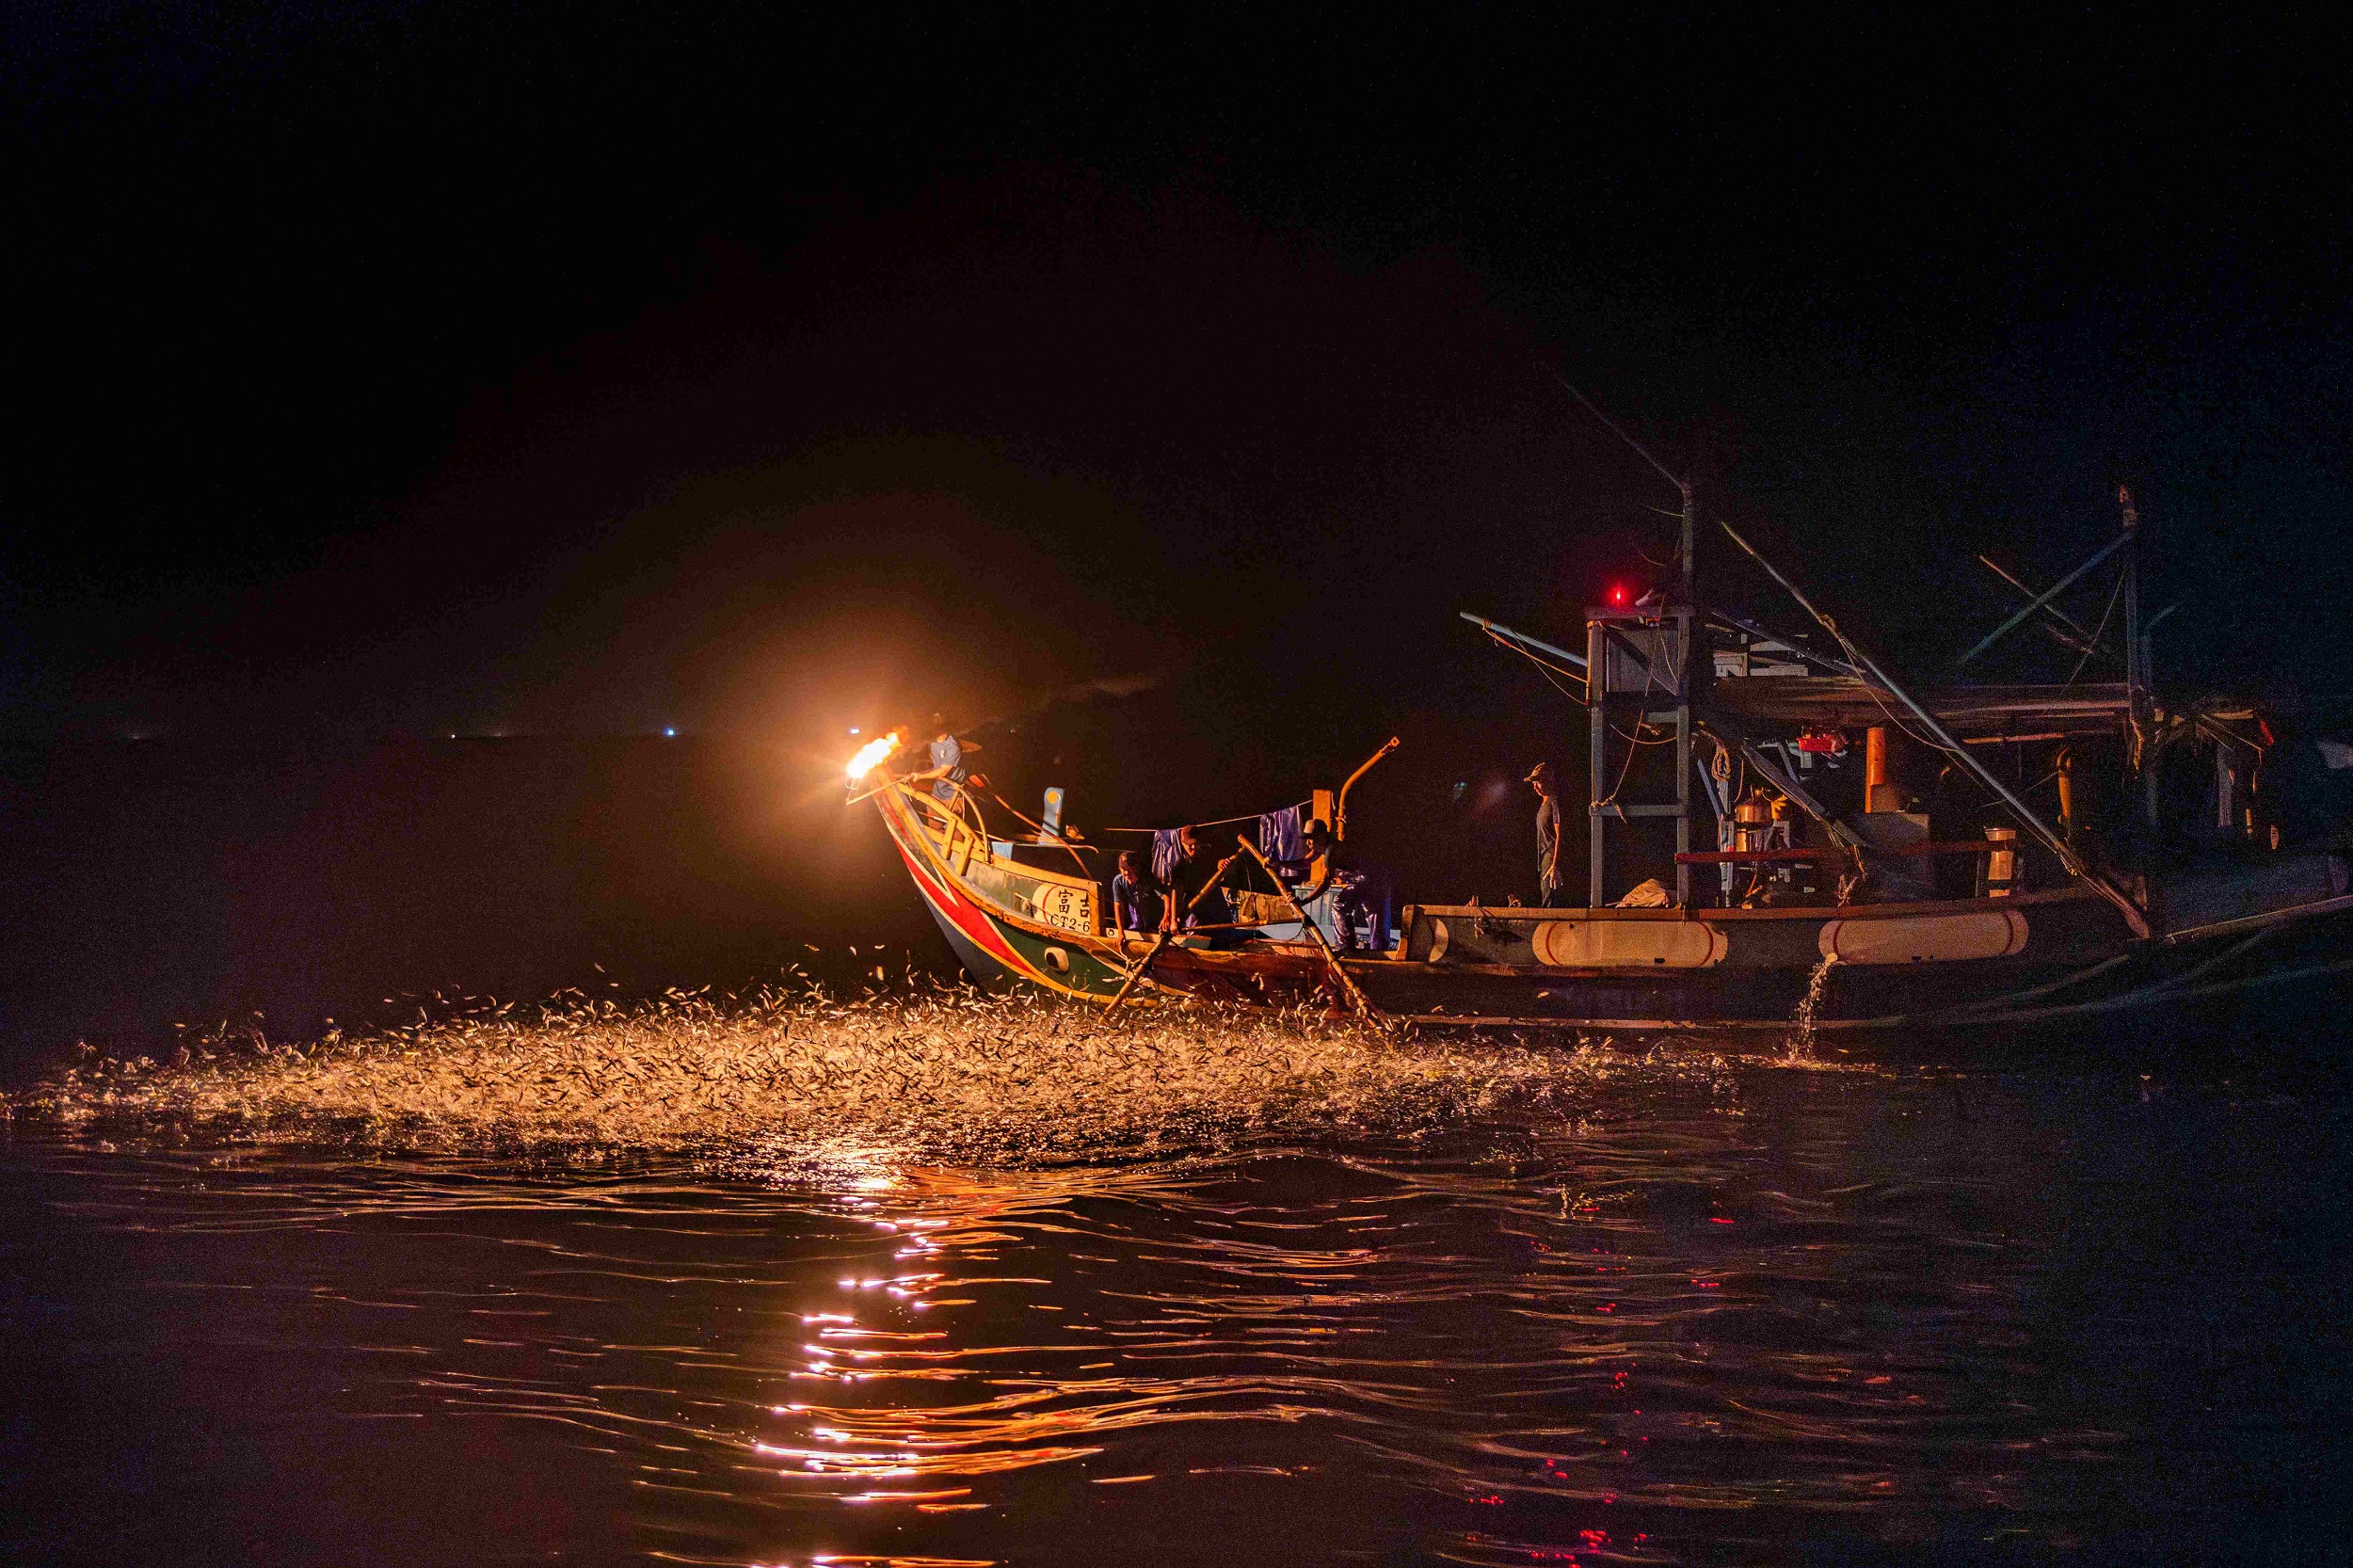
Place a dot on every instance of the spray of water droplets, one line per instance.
(942, 1073)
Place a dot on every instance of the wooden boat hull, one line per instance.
(994, 923)
(2060, 953)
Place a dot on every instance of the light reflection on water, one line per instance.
(1250, 1292)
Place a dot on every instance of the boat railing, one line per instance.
(1759, 856)
(939, 813)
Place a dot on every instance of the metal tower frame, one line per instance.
(1632, 656)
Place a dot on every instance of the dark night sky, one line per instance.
(393, 369)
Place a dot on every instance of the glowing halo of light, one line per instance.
(871, 755)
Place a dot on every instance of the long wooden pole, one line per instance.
(1137, 973)
(2143, 759)
(1169, 931)
(1497, 629)
(1331, 959)
(2082, 640)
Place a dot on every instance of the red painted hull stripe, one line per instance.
(968, 918)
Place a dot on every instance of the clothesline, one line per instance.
(1213, 821)
(1046, 835)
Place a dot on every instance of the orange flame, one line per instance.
(871, 755)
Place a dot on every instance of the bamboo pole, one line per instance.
(1331, 960)
(1137, 973)
(2081, 640)
(1168, 930)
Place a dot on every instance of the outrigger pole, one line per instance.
(2033, 823)
(2066, 627)
(2136, 659)
(1498, 630)
(2042, 600)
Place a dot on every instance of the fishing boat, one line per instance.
(1804, 886)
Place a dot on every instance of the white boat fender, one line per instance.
(1616, 944)
(1924, 938)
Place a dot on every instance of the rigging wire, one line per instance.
(1543, 668)
(2113, 594)
(1611, 797)
(1854, 654)
(1871, 689)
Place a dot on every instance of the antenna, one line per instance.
(1683, 486)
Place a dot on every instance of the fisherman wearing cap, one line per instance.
(1343, 897)
(1547, 834)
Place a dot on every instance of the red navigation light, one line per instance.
(1617, 593)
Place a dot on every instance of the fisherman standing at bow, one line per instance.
(948, 754)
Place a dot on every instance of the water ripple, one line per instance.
(1291, 1295)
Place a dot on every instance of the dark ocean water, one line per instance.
(968, 1283)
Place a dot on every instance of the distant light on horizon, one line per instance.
(853, 729)
(669, 730)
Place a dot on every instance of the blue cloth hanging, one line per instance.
(1165, 854)
(1283, 835)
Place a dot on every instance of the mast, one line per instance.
(1694, 628)
(1628, 671)
(1690, 531)
(2138, 708)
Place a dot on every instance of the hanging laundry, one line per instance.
(1165, 854)
(1281, 833)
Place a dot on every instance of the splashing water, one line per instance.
(934, 1278)
(937, 1074)
(1801, 1022)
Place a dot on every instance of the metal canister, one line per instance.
(2001, 877)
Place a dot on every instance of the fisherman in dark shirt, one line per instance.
(1314, 842)
(1343, 894)
(1194, 871)
(1547, 833)
(1136, 898)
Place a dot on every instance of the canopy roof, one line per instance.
(1843, 702)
